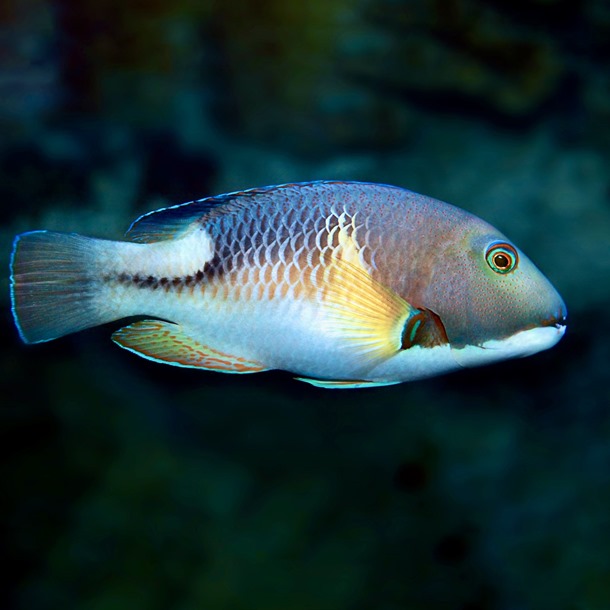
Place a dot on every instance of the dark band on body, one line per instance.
(211, 270)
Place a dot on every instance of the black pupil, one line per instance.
(501, 261)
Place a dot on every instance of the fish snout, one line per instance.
(559, 317)
(545, 327)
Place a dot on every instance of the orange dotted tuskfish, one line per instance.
(345, 284)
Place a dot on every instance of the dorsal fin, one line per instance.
(171, 222)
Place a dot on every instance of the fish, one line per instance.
(343, 284)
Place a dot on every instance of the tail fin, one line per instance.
(55, 285)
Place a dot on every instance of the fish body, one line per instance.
(346, 284)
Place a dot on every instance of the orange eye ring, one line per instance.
(502, 257)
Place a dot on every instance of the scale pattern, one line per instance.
(283, 249)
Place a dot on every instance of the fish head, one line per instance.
(493, 302)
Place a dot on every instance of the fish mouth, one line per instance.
(523, 343)
(535, 337)
(558, 321)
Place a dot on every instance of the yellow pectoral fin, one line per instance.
(368, 317)
(166, 342)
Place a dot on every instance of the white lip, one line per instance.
(524, 343)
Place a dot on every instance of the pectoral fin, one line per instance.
(361, 312)
(169, 343)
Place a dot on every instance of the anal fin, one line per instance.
(169, 343)
(344, 385)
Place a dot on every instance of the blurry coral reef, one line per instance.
(127, 484)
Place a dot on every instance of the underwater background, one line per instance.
(130, 485)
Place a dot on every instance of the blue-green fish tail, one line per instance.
(55, 279)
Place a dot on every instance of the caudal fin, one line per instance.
(55, 284)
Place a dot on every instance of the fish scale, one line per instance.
(260, 262)
(345, 284)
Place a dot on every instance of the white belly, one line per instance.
(288, 335)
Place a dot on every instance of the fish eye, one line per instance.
(501, 257)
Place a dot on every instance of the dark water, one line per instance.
(127, 484)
